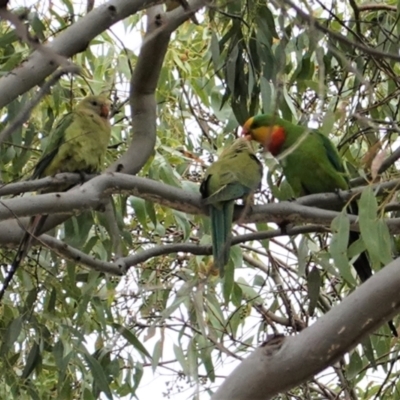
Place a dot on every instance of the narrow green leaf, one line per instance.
(180, 357)
(131, 338)
(237, 295)
(229, 279)
(137, 377)
(369, 226)
(231, 68)
(355, 365)
(192, 359)
(11, 335)
(140, 210)
(302, 252)
(51, 304)
(215, 54)
(58, 353)
(157, 353)
(369, 351)
(385, 243)
(99, 377)
(340, 238)
(34, 358)
(314, 286)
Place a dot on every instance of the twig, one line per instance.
(389, 161)
(376, 7)
(121, 265)
(58, 180)
(356, 11)
(24, 114)
(70, 253)
(312, 21)
(23, 33)
(89, 5)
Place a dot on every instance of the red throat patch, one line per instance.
(278, 136)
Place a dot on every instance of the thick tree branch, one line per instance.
(49, 182)
(120, 266)
(285, 362)
(144, 83)
(71, 41)
(94, 194)
(23, 33)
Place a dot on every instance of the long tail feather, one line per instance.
(34, 227)
(362, 264)
(221, 225)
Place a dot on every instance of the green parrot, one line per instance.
(79, 141)
(310, 163)
(236, 174)
(77, 144)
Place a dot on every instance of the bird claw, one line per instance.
(283, 227)
(337, 191)
(84, 176)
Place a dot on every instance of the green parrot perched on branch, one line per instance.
(77, 144)
(310, 163)
(236, 174)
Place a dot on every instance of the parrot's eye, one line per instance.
(94, 102)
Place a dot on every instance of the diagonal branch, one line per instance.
(94, 194)
(144, 83)
(71, 41)
(121, 265)
(290, 361)
(23, 32)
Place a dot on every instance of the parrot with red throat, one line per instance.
(236, 174)
(77, 144)
(310, 163)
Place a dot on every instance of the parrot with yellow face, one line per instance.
(310, 163)
(77, 144)
(236, 174)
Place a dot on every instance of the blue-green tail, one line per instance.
(221, 226)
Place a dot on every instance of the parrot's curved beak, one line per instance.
(246, 134)
(104, 111)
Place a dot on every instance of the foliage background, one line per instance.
(72, 332)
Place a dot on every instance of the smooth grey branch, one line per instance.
(55, 181)
(277, 366)
(94, 194)
(23, 32)
(72, 254)
(123, 263)
(144, 83)
(71, 41)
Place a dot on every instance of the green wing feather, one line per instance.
(332, 154)
(56, 139)
(236, 174)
